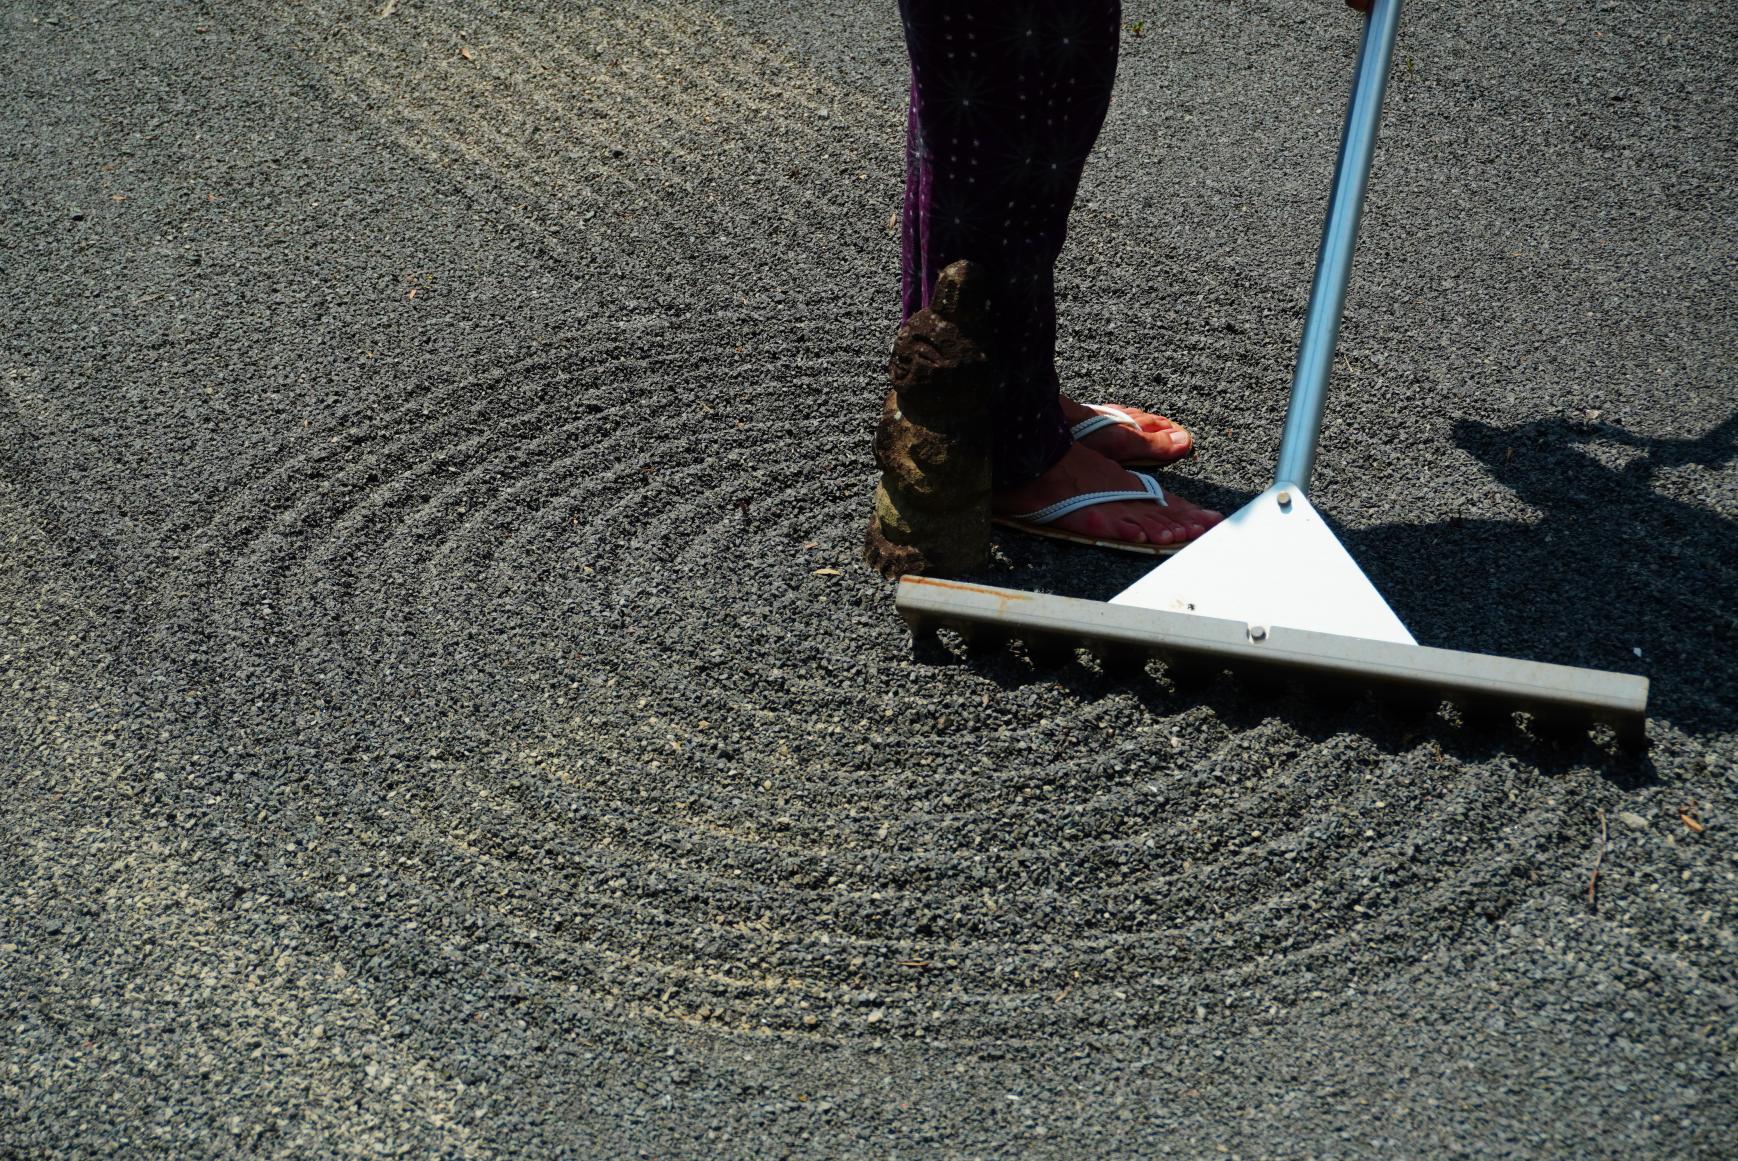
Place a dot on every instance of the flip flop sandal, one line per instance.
(1109, 416)
(1037, 523)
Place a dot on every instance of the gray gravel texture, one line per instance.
(427, 728)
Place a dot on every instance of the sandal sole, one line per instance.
(1049, 533)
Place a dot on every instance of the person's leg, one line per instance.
(1006, 102)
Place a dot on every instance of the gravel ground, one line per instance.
(428, 730)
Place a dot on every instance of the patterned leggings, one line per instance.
(1007, 98)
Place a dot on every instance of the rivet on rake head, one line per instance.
(1284, 499)
(1258, 632)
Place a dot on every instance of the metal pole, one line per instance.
(1315, 357)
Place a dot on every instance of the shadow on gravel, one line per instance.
(1613, 575)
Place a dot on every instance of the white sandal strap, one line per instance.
(1107, 416)
(1056, 511)
(1097, 423)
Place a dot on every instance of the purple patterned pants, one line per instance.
(1007, 98)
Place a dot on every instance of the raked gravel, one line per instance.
(432, 724)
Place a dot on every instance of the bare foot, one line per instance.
(1083, 470)
(1157, 440)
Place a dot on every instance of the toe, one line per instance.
(1169, 527)
(1160, 531)
(1166, 443)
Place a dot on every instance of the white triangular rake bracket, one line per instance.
(1274, 562)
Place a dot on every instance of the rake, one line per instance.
(1271, 588)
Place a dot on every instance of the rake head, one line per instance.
(1559, 697)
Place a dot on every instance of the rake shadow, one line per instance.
(1610, 567)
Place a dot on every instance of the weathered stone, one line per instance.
(932, 510)
(906, 541)
(961, 296)
(942, 378)
(923, 465)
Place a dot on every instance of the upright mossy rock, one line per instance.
(932, 508)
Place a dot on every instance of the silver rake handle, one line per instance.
(1315, 357)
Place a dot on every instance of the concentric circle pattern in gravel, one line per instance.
(446, 712)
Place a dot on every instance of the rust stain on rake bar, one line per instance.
(999, 594)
